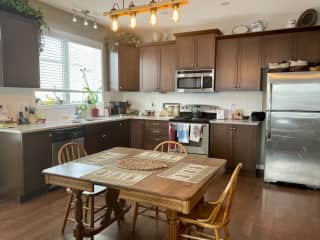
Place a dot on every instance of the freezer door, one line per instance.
(293, 91)
(293, 148)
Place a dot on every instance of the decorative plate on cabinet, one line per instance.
(240, 29)
(308, 18)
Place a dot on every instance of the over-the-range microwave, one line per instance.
(200, 80)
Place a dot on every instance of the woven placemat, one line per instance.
(187, 172)
(101, 158)
(140, 164)
(161, 156)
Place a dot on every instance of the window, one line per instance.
(61, 80)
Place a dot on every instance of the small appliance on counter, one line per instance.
(258, 116)
(119, 107)
(173, 109)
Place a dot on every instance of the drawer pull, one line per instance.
(104, 135)
(156, 131)
(155, 124)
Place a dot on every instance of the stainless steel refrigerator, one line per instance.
(292, 146)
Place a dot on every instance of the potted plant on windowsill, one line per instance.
(92, 97)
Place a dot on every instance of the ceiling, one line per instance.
(197, 12)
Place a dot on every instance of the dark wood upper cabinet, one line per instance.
(128, 68)
(168, 66)
(205, 50)
(226, 64)
(277, 48)
(149, 68)
(307, 46)
(196, 49)
(249, 63)
(158, 66)
(19, 51)
(186, 52)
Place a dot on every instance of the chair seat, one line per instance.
(97, 190)
(202, 210)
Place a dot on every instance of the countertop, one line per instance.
(65, 124)
(243, 122)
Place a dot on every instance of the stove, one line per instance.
(191, 117)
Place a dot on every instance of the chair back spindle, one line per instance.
(70, 152)
(171, 147)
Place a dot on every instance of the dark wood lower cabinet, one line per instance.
(236, 144)
(155, 132)
(102, 136)
(137, 133)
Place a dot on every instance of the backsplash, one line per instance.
(248, 101)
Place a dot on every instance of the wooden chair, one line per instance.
(140, 209)
(214, 216)
(70, 152)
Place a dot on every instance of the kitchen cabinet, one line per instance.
(128, 68)
(149, 68)
(19, 51)
(238, 64)
(277, 48)
(157, 67)
(307, 46)
(237, 143)
(168, 66)
(155, 132)
(37, 156)
(196, 49)
(227, 64)
(102, 136)
(137, 133)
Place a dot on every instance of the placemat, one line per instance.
(133, 163)
(117, 176)
(160, 156)
(101, 158)
(187, 172)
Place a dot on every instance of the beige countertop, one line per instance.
(243, 122)
(66, 124)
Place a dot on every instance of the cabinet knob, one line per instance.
(104, 135)
(234, 129)
(120, 124)
(230, 129)
(156, 131)
(155, 124)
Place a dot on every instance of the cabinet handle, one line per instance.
(104, 135)
(157, 139)
(230, 129)
(156, 131)
(234, 129)
(120, 124)
(155, 124)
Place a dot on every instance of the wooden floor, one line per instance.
(260, 212)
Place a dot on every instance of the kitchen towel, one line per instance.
(172, 135)
(195, 132)
(183, 132)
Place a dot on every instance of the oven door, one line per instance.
(189, 82)
(199, 148)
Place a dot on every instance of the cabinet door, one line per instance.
(137, 133)
(119, 133)
(221, 142)
(205, 50)
(307, 46)
(128, 68)
(245, 147)
(277, 48)
(186, 52)
(249, 63)
(227, 64)
(93, 138)
(149, 68)
(168, 67)
(20, 49)
(36, 157)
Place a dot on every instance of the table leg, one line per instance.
(172, 225)
(78, 231)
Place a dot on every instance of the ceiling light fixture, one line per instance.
(153, 7)
(175, 13)
(85, 22)
(86, 16)
(95, 25)
(74, 19)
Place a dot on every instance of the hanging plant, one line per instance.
(23, 8)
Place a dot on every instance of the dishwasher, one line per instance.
(62, 136)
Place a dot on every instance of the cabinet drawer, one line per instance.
(150, 142)
(156, 124)
(156, 132)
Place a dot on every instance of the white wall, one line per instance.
(249, 101)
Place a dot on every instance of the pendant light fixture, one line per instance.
(153, 7)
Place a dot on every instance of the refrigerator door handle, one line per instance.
(268, 126)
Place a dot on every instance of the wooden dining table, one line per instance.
(176, 188)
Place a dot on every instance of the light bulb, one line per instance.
(175, 13)
(153, 17)
(85, 22)
(74, 19)
(133, 21)
(95, 25)
(114, 24)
